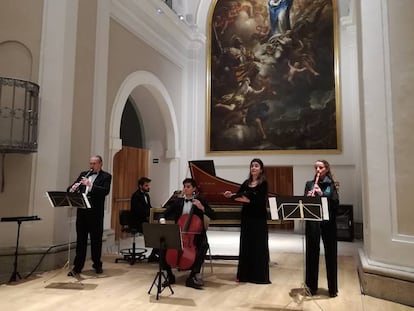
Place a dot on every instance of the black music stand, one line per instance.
(163, 237)
(300, 208)
(70, 200)
(19, 221)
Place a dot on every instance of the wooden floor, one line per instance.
(125, 287)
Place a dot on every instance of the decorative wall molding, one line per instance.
(349, 19)
(158, 26)
(160, 94)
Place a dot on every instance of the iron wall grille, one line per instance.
(19, 106)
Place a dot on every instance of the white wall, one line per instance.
(383, 238)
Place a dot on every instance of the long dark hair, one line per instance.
(261, 176)
(329, 173)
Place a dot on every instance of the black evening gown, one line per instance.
(254, 247)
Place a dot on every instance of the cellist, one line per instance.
(179, 210)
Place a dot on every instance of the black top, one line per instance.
(100, 189)
(175, 210)
(140, 205)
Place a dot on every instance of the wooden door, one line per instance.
(129, 165)
(280, 181)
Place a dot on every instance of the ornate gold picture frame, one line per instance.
(272, 77)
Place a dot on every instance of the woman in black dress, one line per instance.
(254, 248)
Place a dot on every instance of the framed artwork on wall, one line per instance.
(273, 77)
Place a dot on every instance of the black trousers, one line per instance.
(201, 245)
(314, 231)
(88, 222)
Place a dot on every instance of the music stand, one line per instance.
(163, 237)
(69, 200)
(300, 208)
(19, 221)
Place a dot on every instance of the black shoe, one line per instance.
(169, 281)
(192, 282)
(73, 273)
(198, 280)
(313, 292)
(98, 269)
(333, 294)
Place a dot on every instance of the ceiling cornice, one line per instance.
(153, 22)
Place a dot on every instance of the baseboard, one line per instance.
(38, 259)
(385, 282)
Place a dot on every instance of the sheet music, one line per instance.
(85, 198)
(49, 198)
(68, 199)
(298, 207)
(274, 214)
(325, 211)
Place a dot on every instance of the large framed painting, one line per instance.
(272, 77)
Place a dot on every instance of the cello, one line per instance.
(190, 225)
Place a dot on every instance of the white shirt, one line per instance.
(187, 207)
(91, 179)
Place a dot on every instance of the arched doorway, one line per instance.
(129, 163)
(155, 116)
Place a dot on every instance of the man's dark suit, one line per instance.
(174, 212)
(90, 221)
(140, 208)
(140, 211)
